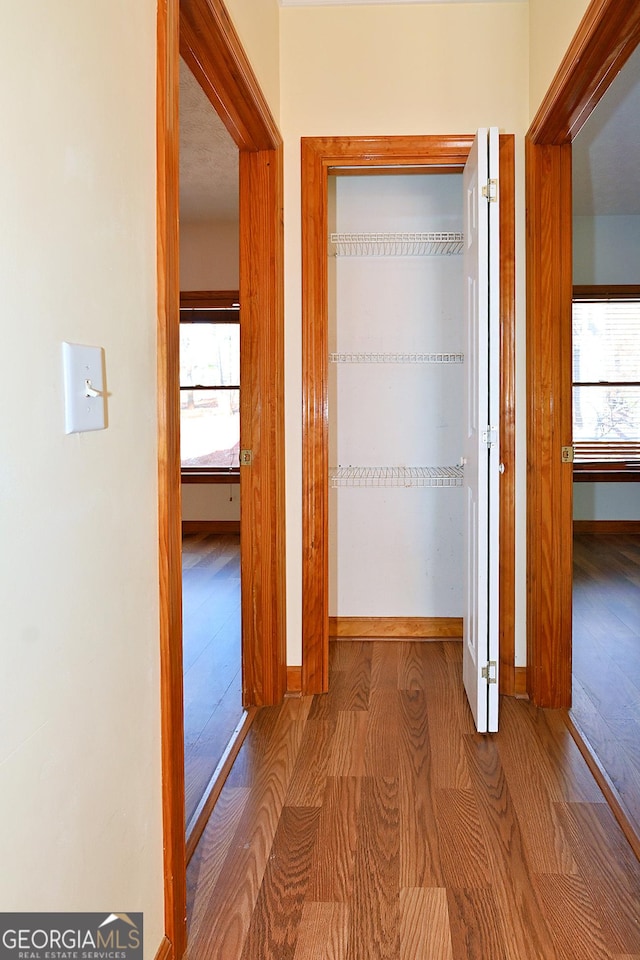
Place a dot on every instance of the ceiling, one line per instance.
(208, 157)
(606, 153)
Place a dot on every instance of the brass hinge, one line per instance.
(246, 458)
(490, 672)
(490, 191)
(567, 454)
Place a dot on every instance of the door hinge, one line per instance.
(490, 436)
(490, 191)
(567, 454)
(246, 458)
(490, 672)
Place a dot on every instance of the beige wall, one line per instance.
(257, 24)
(552, 25)
(209, 255)
(79, 686)
(416, 69)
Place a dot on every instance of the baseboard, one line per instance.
(397, 628)
(627, 527)
(210, 526)
(521, 681)
(294, 680)
(165, 950)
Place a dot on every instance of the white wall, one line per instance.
(80, 775)
(606, 250)
(257, 24)
(447, 71)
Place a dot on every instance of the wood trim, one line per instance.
(549, 480)
(520, 682)
(605, 473)
(605, 39)
(188, 476)
(203, 811)
(212, 50)
(165, 950)
(604, 291)
(398, 628)
(169, 506)
(262, 485)
(604, 782)
(294, 680)
(607, 527)
(209, 298)
(319, 156)
(210, 526)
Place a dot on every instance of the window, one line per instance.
(209, 386)
(606, 380)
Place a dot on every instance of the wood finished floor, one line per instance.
(606, 658)
(373, 823)
(212, 654)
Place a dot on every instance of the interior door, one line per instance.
(481, 455)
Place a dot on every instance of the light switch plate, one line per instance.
(82, 379)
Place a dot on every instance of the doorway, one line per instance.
(320, 157)
(604, 41)
(200, 30)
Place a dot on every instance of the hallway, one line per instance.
(372, 823)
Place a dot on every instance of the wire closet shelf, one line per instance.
(397, 476)
(431, 244)
(368, 357)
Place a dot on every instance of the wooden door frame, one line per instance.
(202, 32)
(320, 155)
(605, 39)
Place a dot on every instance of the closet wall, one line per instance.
(396, 381)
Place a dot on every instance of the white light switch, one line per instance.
(84, 397)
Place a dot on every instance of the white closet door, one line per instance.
(481, 451)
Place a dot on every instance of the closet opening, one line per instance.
(382, 483)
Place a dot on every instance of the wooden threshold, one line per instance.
(165, 950)
(201, 814)
(396, 628)
(601, 777)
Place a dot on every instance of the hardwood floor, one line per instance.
(606, 659)
(212, 654)
(373, 823)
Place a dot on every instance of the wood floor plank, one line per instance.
(349, 744)
(525, 932)
(571, 916)
(465, 862)
(334, 857)
(273, 932)
(323, 932)
(207, 862)
(374, 918)
(476, 932)
(611, 870)
(446, 724)
(309, 778)
(420, 862)
(424, 924)
(233, 899)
